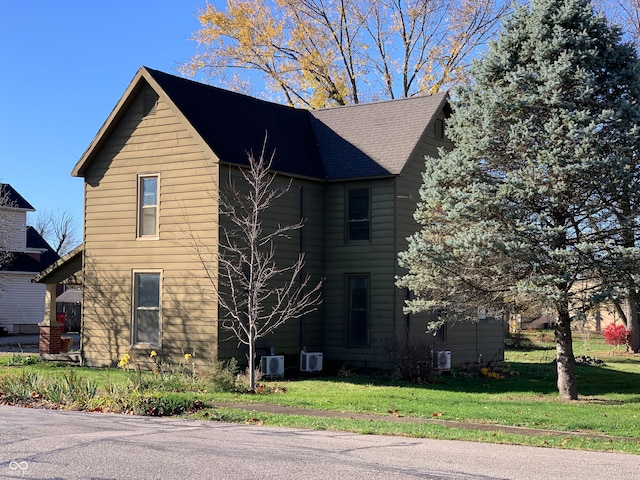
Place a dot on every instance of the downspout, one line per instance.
(301, 251)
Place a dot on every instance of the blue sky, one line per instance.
(66, 64)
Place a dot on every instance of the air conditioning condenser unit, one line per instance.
(442, 360)
(310, 361)
(272, 366)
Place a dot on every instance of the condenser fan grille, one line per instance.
(273, 364)
(313, 362)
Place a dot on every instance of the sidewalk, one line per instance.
(282, 410)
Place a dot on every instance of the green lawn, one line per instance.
(609, 401)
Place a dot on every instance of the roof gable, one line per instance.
(358, 141)
(15, 200)
(373, 138)
(229, 124)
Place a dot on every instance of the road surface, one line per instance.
(51, 444)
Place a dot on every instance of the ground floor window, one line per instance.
(358, 310)
(146, 309)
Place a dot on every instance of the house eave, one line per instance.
(361, 178)
(18, 272)
(17, 209)
(109, 124)
(320, 180)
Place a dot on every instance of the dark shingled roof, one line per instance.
(357, 141)
(233, 124)
(364, 140)
(372, 139)
(15, 200)
(26, 262)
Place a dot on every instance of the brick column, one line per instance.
(51, 338)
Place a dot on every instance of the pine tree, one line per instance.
(523, 210)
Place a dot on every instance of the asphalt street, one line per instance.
(51, 444)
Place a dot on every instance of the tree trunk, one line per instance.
(251, 367)
(627, 222)
(629, 315)
(633, 323)
(566, 362)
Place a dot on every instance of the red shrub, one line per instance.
(616, 334)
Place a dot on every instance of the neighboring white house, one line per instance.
(21, 301)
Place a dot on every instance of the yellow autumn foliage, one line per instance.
(316, 53)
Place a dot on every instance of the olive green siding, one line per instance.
(303, 200)
(156, 144)
(375, 258)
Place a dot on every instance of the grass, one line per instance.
(527, 397)
(421, 430)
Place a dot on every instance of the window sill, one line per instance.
(147, 346)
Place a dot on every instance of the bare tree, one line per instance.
(256, 293)
(315, 54)
(5, 233)
(626, 14)
(58, 229)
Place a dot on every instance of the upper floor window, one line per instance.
(148, 206)
(358, 218)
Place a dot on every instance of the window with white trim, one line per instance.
(147, 312)
(148, 206)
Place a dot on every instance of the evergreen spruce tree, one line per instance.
(526, 209)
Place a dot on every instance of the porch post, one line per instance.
(50, 328)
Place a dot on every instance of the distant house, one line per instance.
(21, 301)
(152, 176)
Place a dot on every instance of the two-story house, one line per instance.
(152, 177)
(21, 301)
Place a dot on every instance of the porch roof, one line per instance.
(64, 269)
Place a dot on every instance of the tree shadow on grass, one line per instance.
(531, 378)
(604, 381)
(629, 360)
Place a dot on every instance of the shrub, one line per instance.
(616, 334)
(19, 359)
(223, 376)
(167, 404)
(413, 360)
